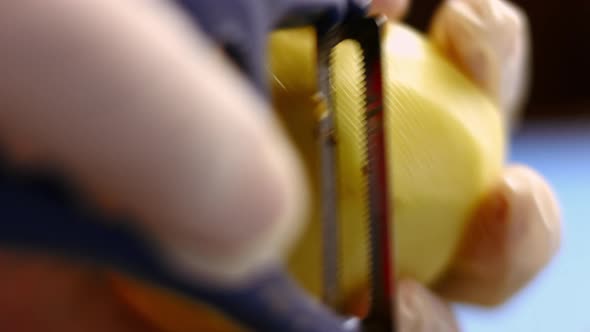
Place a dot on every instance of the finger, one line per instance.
(40, 295)
(489, 40)
(393, 9)
(418, 309)
(421, 311)
(514, 234)
(132, 103)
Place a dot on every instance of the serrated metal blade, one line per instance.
(381, 315)
(348, 94)
(366, 34)
(326, 41)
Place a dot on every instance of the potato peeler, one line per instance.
(42, 212)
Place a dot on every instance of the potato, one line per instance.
(445, 145)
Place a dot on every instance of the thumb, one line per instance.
(132, 103)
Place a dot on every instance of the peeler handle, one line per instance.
(241, 27)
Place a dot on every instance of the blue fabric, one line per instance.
(40, 213)
(241, 26)
(558, 299)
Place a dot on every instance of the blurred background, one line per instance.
(554, 138)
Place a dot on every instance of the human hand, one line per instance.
(516, 229)
(150, 122)
(128, 99)
(489, 40)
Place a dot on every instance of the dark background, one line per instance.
(561, 46)
(554, 140)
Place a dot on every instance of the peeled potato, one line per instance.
(445, 146)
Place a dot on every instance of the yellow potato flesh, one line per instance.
(445, 145)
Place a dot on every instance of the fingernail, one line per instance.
(546, 202)
(421, 311)
(534, 216)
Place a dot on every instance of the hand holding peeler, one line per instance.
(40, 212)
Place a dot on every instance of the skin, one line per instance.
(241, 211)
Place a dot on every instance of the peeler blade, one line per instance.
(339, 121)
(329, 170)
